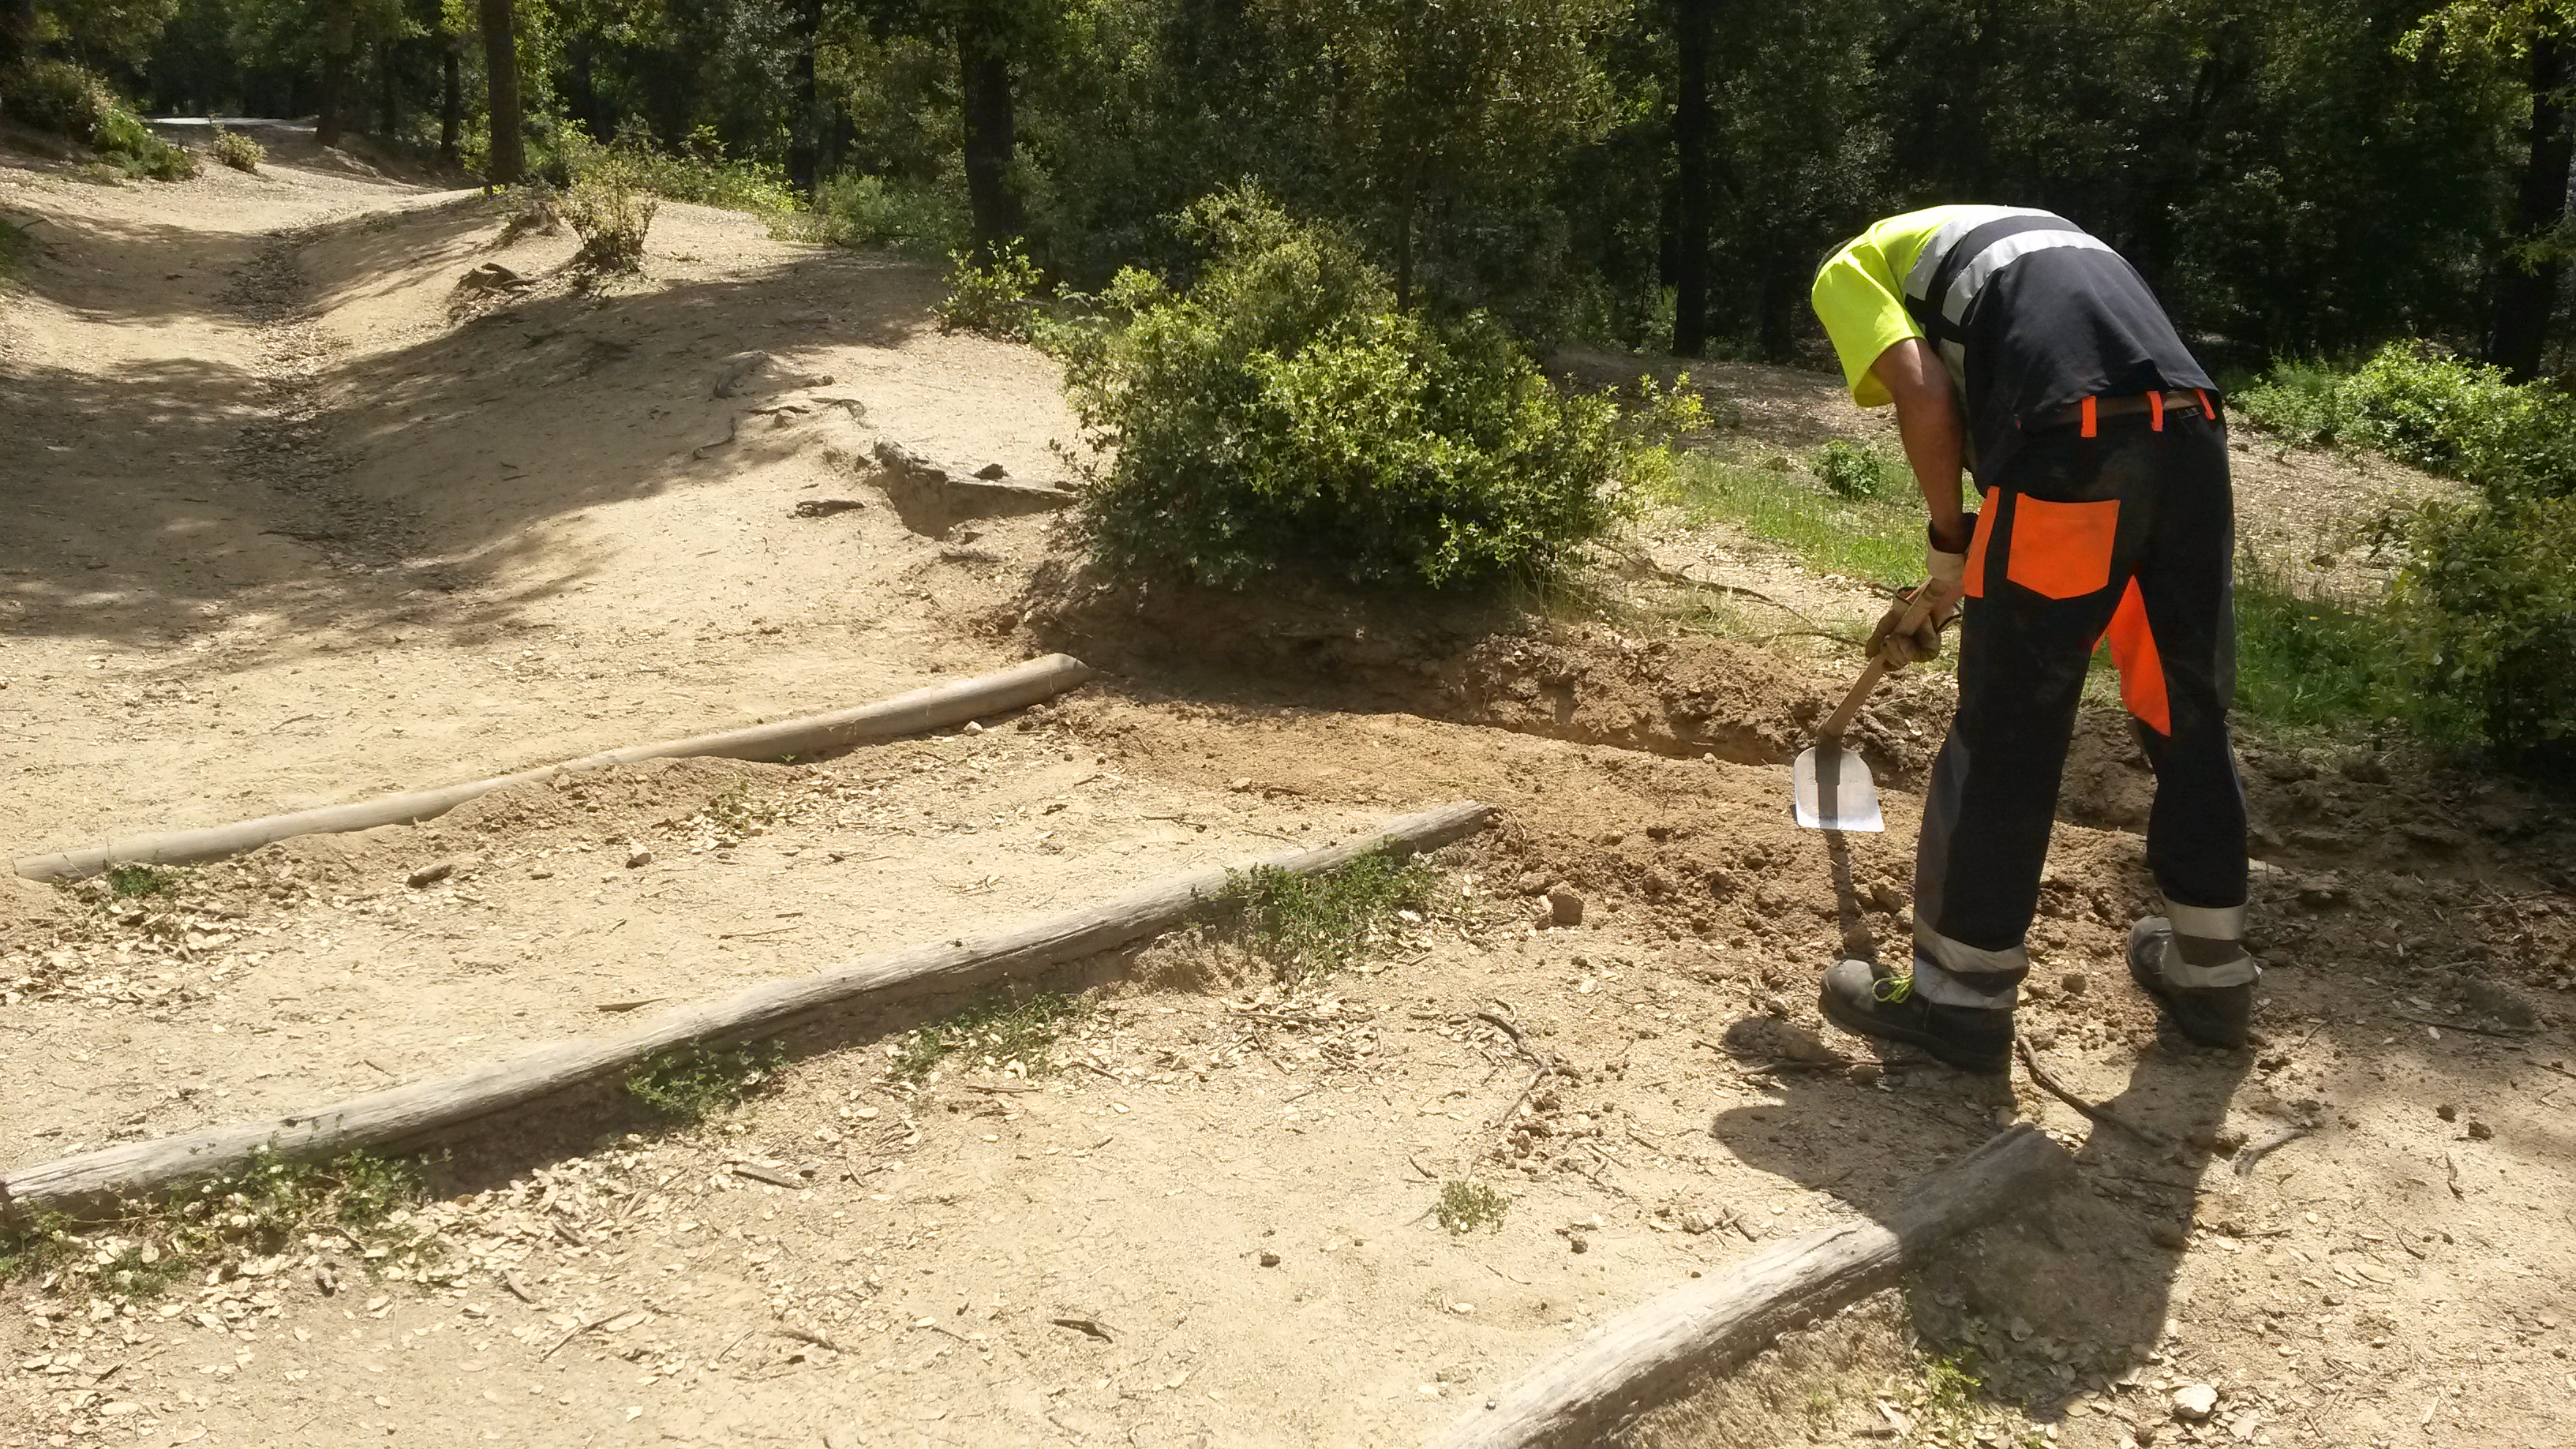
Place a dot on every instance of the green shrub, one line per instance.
(995, 297)
(1281, 414)
(610, 209)
(238, 151)
(2424, 406)
(1857, 470)
(2490, 600)
(850, 210)
(993, 1034)
(56, 95)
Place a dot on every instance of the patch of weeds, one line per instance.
(1467, 1205)
(685, 1088)
(40, 1244)
(1857, 470)
(1873, 539)
(262, 1209)
(130, 882)
(1329, 920)
(992, 1034)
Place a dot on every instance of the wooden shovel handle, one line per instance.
(1869, 677)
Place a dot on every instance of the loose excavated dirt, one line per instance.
(305, 521)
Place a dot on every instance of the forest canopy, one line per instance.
(2296, 178)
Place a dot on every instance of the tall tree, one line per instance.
(2527, 290)
(339, 42)
(508, 163)
(1693, 24)
(991, 129)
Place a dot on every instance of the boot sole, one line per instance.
(1943, 1050)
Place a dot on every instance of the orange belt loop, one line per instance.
(2156, 408)
(2089, 427)
(2208, 409)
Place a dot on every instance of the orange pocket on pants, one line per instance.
(2062, 550)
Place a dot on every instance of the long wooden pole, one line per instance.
(1639, 1358)
(923, 709)
(95, 1181)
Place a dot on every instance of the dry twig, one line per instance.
(2104, 1115)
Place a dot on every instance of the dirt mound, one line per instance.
(1477, 662)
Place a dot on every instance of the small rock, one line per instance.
(1533, 882)
(2073, 983)
(826, 507)
(638, 859)
(2499, 1004)
(1865, 1073)
(2193, 1403)
(1270, 1260)
(2447, 1112)
(1579, 1243)
(2479, 1131)
(1240, 784)
(2168, 1235)
(992, 472)
(974, 727)
(1564, 907)
(429, 875)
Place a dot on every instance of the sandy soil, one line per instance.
(391, 535)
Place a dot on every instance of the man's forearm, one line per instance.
(1927, 418)
(1934, 445)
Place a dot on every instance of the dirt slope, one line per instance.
(354, 530)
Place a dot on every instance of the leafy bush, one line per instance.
(1326, 922)
(2423, 406)
(1281, 414)
(610, 209)
(238, 151)
(850, 210)
(2491, 601)
(995, 297)
(1857, 470)
(56, 95)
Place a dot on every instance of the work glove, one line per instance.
(1946, 577)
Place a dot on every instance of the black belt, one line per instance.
(2194, 403)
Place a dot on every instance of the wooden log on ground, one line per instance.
(95, 1181)
(905, 714)
(1640, 1358)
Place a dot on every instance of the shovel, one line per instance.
(1829, 786)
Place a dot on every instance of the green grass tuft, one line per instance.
(128, 882)
(1325, 921)
(1465, 1206)
(992, 1034)
(685, 1088)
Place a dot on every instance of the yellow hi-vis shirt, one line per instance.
(1859, 293)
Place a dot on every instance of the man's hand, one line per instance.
(1946, 568)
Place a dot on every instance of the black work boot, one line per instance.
(2211, 1016)
(1871, 1001)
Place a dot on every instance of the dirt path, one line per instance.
(354, 531)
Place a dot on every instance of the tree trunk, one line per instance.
(451, 100)
(2527, 290)
(984, 88)
(808, 126)
(508, 162)
(339, 38)
(1693, 22)
(388, 89)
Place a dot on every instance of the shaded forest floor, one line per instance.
(301, 516)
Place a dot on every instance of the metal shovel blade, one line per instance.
(1830, 789)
